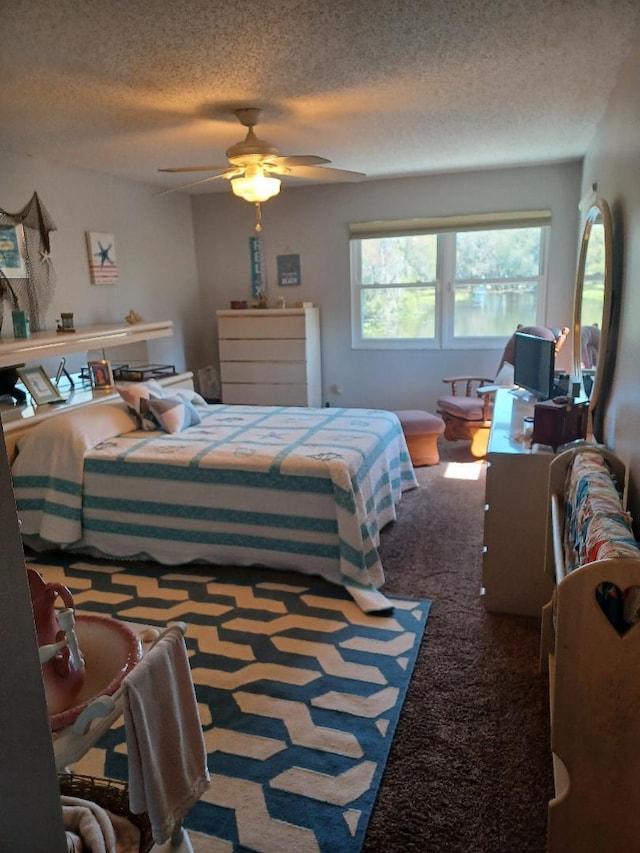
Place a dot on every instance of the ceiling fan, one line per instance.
(254, 164)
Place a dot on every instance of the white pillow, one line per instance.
(154, 387)
(81, 428)
(158, 391)
(188, 394)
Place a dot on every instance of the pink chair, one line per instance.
(467, 413)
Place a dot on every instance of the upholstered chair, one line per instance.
(589, 345)
(467, 410)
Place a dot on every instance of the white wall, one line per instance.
(153, 240)
(613, 160)
(158, 275)
(313, 222)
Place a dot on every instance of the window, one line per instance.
(447, 283)
(398, 281)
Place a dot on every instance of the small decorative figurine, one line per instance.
(65, 323)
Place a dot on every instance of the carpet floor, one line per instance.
(469, 768)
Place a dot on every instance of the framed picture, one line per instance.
(103, 266)
(39, 385)
(288, 270)
(101, 374)
(12, 251)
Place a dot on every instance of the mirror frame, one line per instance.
(597, 401)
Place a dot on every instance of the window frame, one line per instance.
(446, 230)
(357, 288)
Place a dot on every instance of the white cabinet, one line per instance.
(270, 357)
(516, 556)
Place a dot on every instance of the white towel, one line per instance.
(88, 826)
(165, 745)
(92, 828)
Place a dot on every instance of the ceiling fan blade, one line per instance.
(321, 173)
(233, 173)
(254, 157)
(193, 169)
(299, 160)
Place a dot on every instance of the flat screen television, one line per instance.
(534, 365)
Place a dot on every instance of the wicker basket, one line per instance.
(110, 794)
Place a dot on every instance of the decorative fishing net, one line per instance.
(34, 290)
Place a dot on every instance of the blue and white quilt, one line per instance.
(282, 487)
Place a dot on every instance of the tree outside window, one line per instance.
(447, 288)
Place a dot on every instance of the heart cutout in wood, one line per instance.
(621, 607)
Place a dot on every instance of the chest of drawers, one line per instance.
(270, 357)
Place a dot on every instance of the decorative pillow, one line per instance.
(137, 399)
(138, 395)
(154, 388)
(174, 413)
(187, 394)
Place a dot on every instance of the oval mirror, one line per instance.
(592, 309)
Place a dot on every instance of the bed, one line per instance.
(280, 487)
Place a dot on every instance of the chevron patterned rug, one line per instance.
(299, 694)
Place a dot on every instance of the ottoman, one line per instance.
(421, 431)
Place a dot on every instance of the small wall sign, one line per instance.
(288, 270)
(258, 283)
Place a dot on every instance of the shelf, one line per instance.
(47, 344)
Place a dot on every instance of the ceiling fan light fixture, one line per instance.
(255, 186)
(252, 164)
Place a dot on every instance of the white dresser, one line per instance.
(270, 357)
(517, 554)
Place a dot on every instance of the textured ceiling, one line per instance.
(385, 88)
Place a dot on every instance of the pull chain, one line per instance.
(258, 226)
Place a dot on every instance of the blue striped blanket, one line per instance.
(291, 488)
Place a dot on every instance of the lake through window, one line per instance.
(446, 288)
